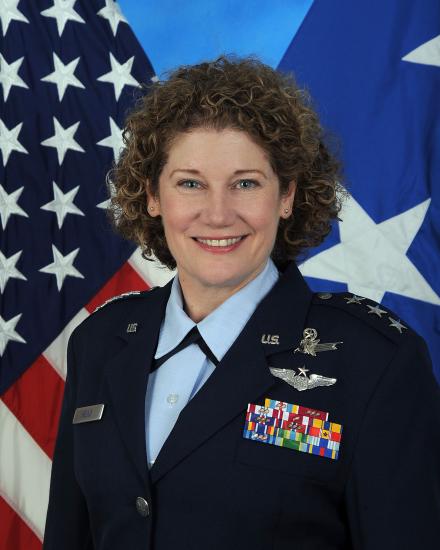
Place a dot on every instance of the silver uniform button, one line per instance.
(173, 398)
(142, 507)
(325, 295)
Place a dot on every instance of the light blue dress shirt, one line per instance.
(171, 386)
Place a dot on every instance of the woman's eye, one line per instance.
(189, 184)
(247, 184)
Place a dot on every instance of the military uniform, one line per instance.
(211, 486)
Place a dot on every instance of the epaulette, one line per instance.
(122, 296)
(374, 314)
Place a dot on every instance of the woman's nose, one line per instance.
(218, 209)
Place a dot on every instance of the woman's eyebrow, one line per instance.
(236, 173)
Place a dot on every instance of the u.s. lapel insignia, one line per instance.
(301, 381)
(273, 339)
(310, 344)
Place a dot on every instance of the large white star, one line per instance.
(62, 11)
(120, 75)
(63, 140)
(112, 12)
(62, 266)
(114, 140)
(9, 75)
(63, 75)
(9, 141)
(62, 204)
(8, 333)
(8, 269)
(9, 206)
(371, 258)
(426, 54)
(9, 12)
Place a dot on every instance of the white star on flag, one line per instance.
(120, 75)
(9, 141)
(9, 12)
(62, 266)
(371, 258)
(112, 12)
(62, 11)
(7, 332)
(105, 204)
(426, 54)
(8, 269)
(63, 75)
(9, 75)
(62, 204)
(9, 206)
(114, 140)
(63, 140)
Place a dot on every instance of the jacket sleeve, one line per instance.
(393, 490)
(67, 524)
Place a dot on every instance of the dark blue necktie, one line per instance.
(193, 337)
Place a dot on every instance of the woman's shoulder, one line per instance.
(363, 317)
(107, 316)
(371, 340)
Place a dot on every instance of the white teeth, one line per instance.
(219, 242)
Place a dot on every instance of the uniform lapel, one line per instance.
(243, 375)
(127, 372)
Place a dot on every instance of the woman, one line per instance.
(286, 419)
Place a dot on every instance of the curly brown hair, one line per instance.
(237, 93)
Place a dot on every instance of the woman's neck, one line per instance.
(200, 300)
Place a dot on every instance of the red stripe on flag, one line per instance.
(125, 279)
(35, 399)
(14, 533)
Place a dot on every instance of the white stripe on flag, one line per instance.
(25, 472)
(152, 272)
(56, 352)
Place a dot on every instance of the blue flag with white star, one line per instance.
(374, 70)
(68, 72)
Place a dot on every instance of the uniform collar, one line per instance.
(222, 326)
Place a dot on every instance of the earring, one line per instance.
(151, 208)
(286, 211)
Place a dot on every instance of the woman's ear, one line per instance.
(286, 205)
(153, 204)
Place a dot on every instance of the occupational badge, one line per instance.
(301, 381)
(310, 344)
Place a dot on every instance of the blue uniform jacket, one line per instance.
(212, 488)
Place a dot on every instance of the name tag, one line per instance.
(88, 414)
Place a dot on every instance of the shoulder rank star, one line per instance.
(354, 299)
(301, 381)
(310, 344)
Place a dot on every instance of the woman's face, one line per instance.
(220, 205)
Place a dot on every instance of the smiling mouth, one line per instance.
(219, 243)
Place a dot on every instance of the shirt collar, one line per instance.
(223, 325)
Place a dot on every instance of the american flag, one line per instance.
(69, 70)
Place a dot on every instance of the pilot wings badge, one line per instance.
(301, 381)
(310, 344)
